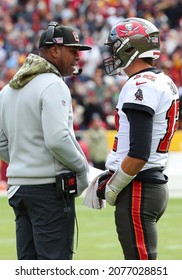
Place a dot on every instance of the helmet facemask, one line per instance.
(123, 55)
(111, 65)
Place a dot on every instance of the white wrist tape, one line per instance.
(119, 180)
(116, 184)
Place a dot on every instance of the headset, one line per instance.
(49, 40)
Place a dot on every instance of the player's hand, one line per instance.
(111, 193)
(116, 184)
(103, 179)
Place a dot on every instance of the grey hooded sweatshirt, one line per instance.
(36, 127)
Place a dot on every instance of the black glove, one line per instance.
(104, 177)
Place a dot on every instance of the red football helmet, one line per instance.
(130, 39)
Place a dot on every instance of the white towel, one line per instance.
(91, 200)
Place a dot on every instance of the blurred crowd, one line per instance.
(94, 94)
(21, 22)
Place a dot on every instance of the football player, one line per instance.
(146, 118)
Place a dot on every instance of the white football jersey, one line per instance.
(154, 92)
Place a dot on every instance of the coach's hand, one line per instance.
(82, 183)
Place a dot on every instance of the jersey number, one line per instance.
(172, 125)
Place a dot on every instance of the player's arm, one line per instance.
(141, 124)
(132, 166)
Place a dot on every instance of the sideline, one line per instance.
(174, 172)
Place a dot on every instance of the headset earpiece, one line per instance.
(49, 40)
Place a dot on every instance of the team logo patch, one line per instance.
(130, 29)
(75, 35)
(139, 95)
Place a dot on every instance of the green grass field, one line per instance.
(96, 233)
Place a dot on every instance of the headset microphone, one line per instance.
(78, 72)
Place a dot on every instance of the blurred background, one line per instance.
(93, 93)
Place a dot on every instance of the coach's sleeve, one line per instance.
(4, 153)
(56, 119)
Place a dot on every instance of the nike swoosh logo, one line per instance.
(140, 83)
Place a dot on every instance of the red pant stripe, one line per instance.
(136, 218)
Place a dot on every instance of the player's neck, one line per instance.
(137, 66)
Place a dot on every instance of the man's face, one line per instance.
(66, 59)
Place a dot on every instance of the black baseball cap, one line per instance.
(61, 35)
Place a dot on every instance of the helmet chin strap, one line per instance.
(121, 72)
